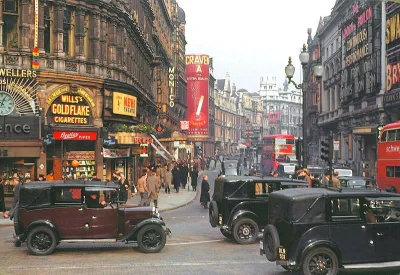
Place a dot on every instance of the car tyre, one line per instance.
(213, 213)
(271, 242)
(320, 260)
(41, 241)
(245, 231)
(226, 233)
(151, 238)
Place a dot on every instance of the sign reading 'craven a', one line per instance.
(70, 109)
(124, 104)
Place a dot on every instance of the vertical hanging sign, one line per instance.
(35, 53)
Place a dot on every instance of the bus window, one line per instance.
(391, 135)
(398, 135)
(390, 171)
(397, 171)
(383, 137)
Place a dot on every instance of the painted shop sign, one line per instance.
(124, 104)
(70, 135)
(171, 84)
(70, 109)
(19, 128)
(359, 77)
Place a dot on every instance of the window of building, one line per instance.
(48, 25)
(68, 41)
(86, 38)
(11, 26)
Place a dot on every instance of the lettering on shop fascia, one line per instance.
(63, 90)
(16, 128)
(17, 73)
(393, 28)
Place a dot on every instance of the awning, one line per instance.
(367, 130)
(159, 143)
(158, 152)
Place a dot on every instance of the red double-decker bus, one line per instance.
(388, 164)
(277, 149)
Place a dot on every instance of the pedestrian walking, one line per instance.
(2, 202)
(153, 186)
(124, 187)
(162, 175)
(15, 206)
(142, 188)
(205, 192)
(194, 175)
(184, 174)
(176, 178)
(168, 179)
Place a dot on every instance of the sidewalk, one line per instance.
(165, 201)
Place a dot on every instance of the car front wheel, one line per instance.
(245, 231)
(320, 260)
(41, 241)
(151, 238)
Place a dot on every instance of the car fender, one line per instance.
(132, 235)
(241, 214)
(318, 243)
(41, 223)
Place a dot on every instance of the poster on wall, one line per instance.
(197, 76)
(116, 153)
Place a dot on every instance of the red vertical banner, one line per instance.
(197, 74)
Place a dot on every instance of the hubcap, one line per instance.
(152, 239)
(246, 231)
(41, 241)
(320, 264)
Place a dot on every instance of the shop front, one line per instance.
(20, 145)
(74, 148)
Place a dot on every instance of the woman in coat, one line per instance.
(205, 192)
(168, 179)
(194, 175)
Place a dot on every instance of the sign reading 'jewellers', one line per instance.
(69, 135)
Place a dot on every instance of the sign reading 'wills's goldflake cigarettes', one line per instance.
(197, 74)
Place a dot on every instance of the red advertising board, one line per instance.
(197, 74)
(69, 135)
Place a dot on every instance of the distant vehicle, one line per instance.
(316, 170)
(230, 168)
(388, 160)
(275, 149)
(286, 170)
(343, 172)
(352, 182)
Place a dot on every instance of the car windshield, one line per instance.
(382, 209)
(288, 169)
(231, 172)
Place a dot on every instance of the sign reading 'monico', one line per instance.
(69, 135)
(197, 74)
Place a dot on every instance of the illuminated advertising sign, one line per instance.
(124, 104)
(197, 74)
(171, 84)
(70, 109)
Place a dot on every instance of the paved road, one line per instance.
(195, 248)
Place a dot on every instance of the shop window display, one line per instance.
(15, 167)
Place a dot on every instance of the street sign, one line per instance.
(335, 145)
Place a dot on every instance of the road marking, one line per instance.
(199, 242)
(128, 265)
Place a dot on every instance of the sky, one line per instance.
(253, 38)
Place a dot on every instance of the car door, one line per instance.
(70, 215)
(102, 219)
(383, 222)
(349, 231)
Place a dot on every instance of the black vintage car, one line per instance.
(240, 204)
(321, 231)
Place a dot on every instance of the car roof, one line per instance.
(350, 178)
(264, 179)
(301, 193)
(66, 183)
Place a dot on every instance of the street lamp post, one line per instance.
(317, 71)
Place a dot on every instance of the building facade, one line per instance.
(282, 108)
(96, 94)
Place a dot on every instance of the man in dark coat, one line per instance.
(194, 176)
(184, 174)
(205, 192)
(176, 178)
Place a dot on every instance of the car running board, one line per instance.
(89, 241)
(373, 265)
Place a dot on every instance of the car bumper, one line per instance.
(168, 232)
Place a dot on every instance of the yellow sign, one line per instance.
(124, 104)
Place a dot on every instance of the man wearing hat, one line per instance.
(325, 180)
